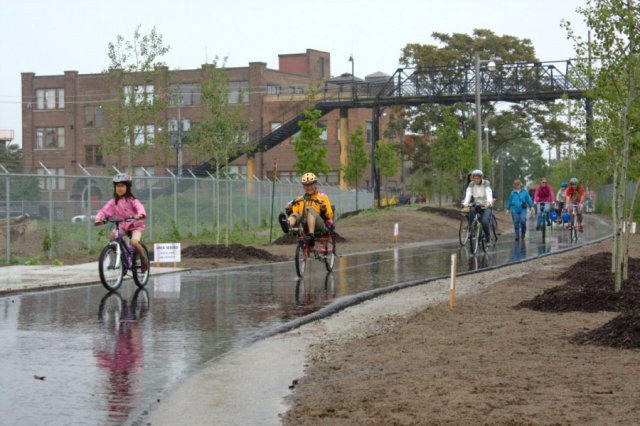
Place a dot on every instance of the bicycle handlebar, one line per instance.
(115, 220)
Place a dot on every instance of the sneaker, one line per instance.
(284, 222)
(580, 228)
(144, 265)
(517, 238)
(523, 234)
(537, 227)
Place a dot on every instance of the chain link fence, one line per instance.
(59, 210)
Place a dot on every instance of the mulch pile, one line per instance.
(449, 213)
(232, 251)
(589, 288)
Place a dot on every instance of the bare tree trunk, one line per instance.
(627, 235)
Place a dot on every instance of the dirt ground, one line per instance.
(543, 342)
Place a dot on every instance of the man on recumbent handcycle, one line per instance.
(312, 210)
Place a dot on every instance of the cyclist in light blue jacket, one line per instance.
(518, 204)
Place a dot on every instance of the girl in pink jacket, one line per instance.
(125, 204)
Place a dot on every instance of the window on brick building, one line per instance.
(93, 116)
(369, 132)
(337, 131)
(49, 98)
(185, 94)
(93, 155)
(55, 181)
(272, 89)
(49, 137)
(238, 92)
(138, 95)
(142, 135)
(322, 125)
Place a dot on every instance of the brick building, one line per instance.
(63, 117)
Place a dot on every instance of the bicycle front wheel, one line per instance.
(140, 277)
(111, 268)
(463, 232)
(301, 260)
(330, 256)
(474, 237)
(543, 227)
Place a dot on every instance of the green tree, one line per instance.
(358, 159)
(457, 48)
(222, 129)
(311, 151)
(134, 74)
(387, 160)
(616, 87)
(221, 132)
(445, 150)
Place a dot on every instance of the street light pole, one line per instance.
(478, 117)
(353, 81)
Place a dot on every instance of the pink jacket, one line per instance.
(125, 207)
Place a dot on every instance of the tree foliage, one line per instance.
(221, 132)
(357, 158)
(311, 151)
(615, 76)
(134, 76)
(387, 160)
(531, 118)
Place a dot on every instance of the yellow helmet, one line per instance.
(308, 178)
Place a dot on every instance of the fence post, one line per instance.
(150, 216)
(7, 212)
(195, 209)
(88, 214)
(175, 198)
(50, 253)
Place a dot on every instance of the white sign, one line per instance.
(166, 253)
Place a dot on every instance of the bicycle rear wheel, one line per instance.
(330, 256)
(111, 268)
(463, 232)
(301, 260)
(141, 278)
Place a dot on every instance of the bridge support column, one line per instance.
(375, 135)
(344, 145)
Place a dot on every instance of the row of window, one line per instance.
(181, 95)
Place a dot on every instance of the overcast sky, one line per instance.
(48, 37)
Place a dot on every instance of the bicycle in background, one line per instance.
(118, 257)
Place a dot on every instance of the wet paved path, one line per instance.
(81, 356)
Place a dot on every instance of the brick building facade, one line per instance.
(63, 117)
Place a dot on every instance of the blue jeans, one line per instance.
(547, 209)
(519, 221)
(485, 219)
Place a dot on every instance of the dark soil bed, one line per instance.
(589, 287)
(232, 251)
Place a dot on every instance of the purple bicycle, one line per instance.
(118, 257)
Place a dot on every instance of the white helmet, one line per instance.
(477, 172)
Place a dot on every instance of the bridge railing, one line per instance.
(515, 81)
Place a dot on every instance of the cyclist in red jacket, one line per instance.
(575, 198)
